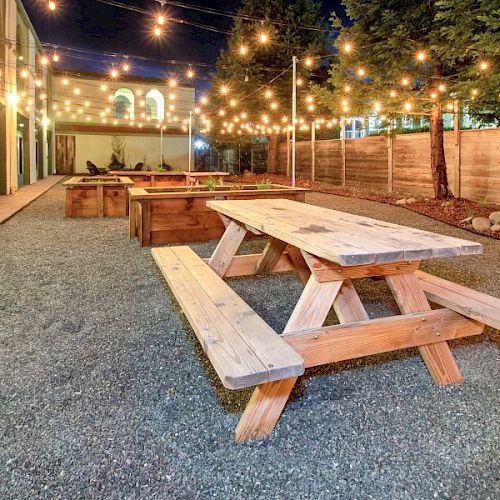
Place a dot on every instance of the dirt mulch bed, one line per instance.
(451, 212)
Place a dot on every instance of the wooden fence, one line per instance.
(402, 164)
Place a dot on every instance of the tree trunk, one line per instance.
(438, 162)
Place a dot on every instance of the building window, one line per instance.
(155, 105)
(124, 104)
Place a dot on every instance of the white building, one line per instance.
(148, 115)
(26, 89)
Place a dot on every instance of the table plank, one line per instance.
(341, 237)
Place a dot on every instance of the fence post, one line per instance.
(390, 159)
(313, 150)
(458, 171)
(342, 144)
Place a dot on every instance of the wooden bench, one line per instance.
(243, 349)
(468, 302)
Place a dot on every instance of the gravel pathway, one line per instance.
(105, 393)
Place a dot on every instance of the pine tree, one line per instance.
(416, 57)
(245, 68)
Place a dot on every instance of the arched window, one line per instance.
(124, 104)
(155, 105)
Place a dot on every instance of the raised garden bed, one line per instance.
(97, 196)
(157, 179)
(179, 215)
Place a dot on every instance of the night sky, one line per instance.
(90, 25)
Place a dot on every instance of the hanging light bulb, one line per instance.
(347, 47)
(126, 67)
(308, 62)
(190, 73)
(361, 72)
(114, 73)
(172, 82)
(263, 38)
(44, 60)
(224, 90)
(157, 31)
(160, 19)
(421, 56)
(243, 50)
(484, 66)
(55, 57)
(52, 6)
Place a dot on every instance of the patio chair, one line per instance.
(94, 169)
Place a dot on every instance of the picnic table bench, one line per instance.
(328, 249)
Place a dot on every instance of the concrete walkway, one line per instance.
(11, 204)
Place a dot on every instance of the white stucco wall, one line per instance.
(97, 149)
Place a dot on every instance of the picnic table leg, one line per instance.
(227, 248)
(264, 409)
(268, 400)
(437, 357)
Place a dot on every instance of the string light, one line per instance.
(157, 31)
(475, 92)
(190, 73)
(126, 67)
(484, 66)
(104, 87)
(408, 106)
(114, 73)
(442, 87)
(361, 72)
(172, 82)
(268, 94)
(405, 81)
(52, 6)
(224, 90)
(204, 100)
(55, 57)
(308, 62)
(243, 50)
(347, 47)
(44, 61)
(347, 88)
(24, 73)
(421, 56)
(160, 19)
(263, 38)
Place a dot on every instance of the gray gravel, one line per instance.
(104, 391)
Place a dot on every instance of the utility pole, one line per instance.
(294, 114)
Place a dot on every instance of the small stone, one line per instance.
(411, 200)
(402, 201)
(495, 228)
(467, 220)
(481, 223)
(495, 218)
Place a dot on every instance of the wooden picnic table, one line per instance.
(328, 249)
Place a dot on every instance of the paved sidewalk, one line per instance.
(11, 204)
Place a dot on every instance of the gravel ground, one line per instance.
(104, 391)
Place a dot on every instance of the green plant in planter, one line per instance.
(211, 184)
(267, 184)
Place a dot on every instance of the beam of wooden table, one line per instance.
(268, 400)
(227, 248)
(332, 344)
(270, 256)
(437, 357)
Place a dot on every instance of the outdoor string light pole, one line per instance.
(294, 114)
(190, 139)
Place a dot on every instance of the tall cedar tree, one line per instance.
(455, 36)
(299, 31)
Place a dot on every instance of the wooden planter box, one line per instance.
(158, 179)
(97, 196)
(179, 215)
